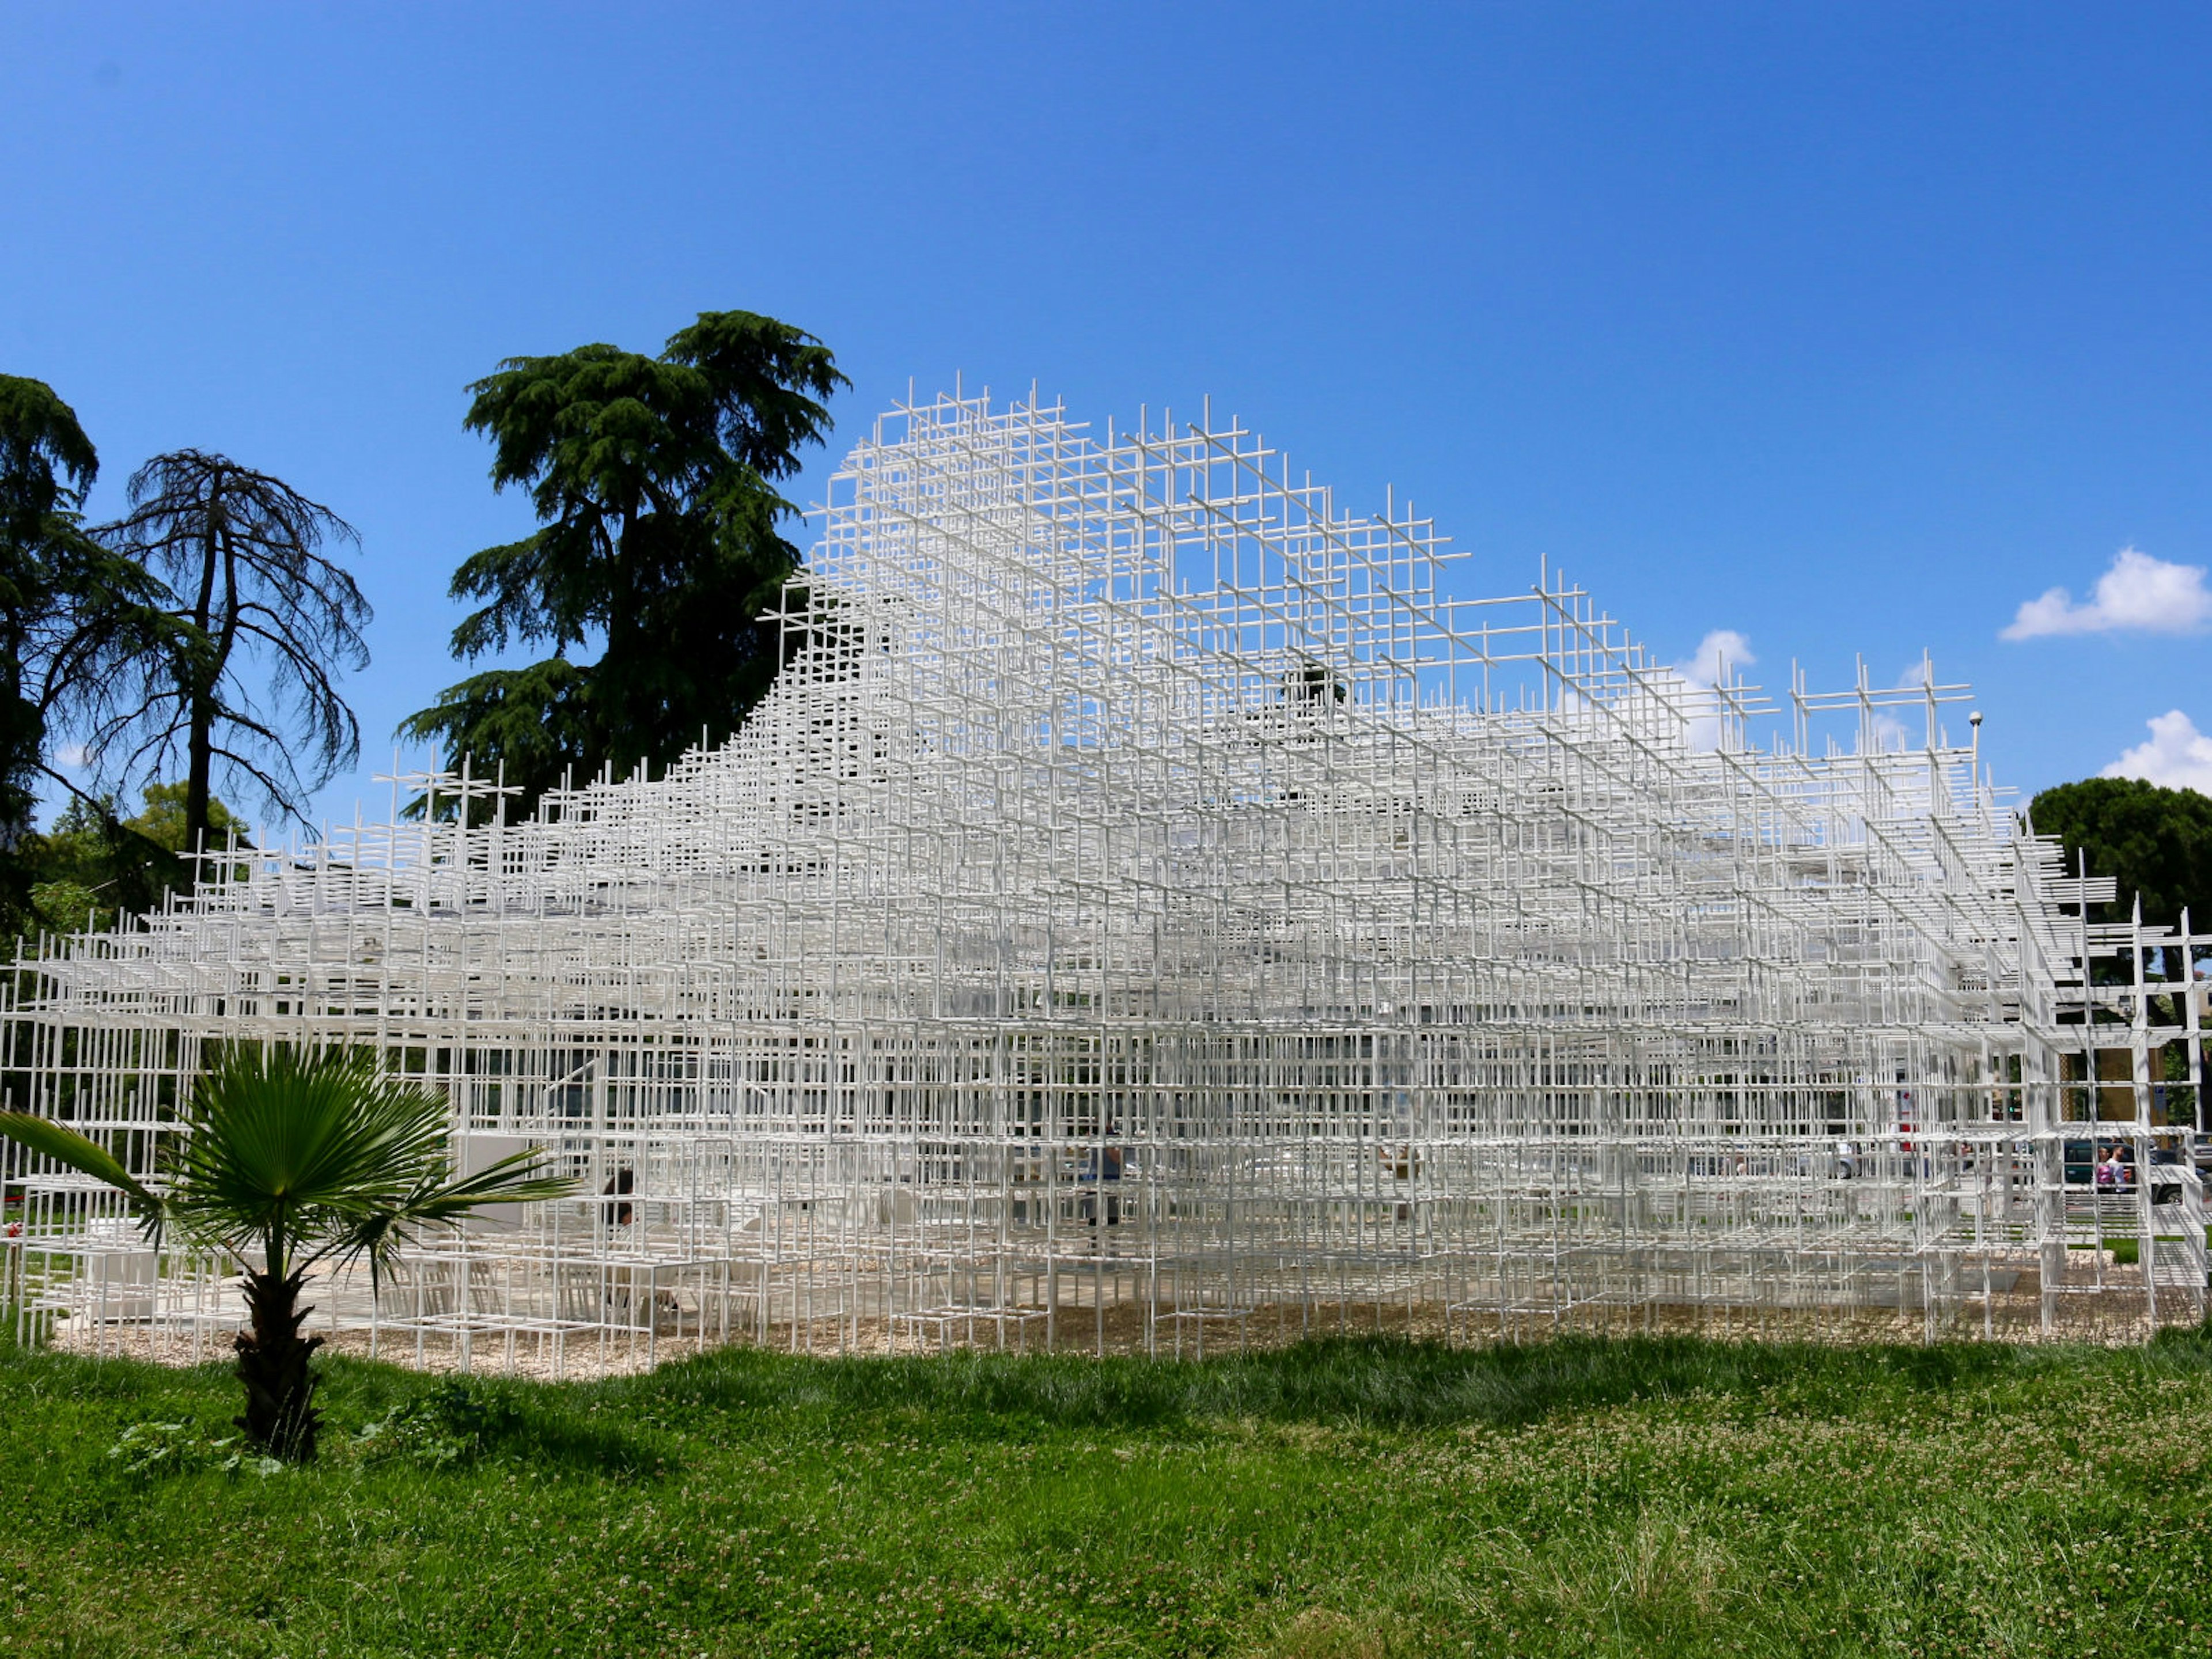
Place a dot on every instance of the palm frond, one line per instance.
(81, 1153)
(444, 1199)
(304, 1156)
(518, 1178)
(280, 1137)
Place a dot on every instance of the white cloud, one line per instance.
(1891, 734)
(1723, 648)
(1722, 651)
(2177, 756)
(1890, 737)
(2138, 593)
(73, 756)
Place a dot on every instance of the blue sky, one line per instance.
(1846, 328)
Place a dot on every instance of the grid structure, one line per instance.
(1151, 910)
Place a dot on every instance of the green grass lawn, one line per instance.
(1342, 1498)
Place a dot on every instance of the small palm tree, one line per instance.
(290, 1161)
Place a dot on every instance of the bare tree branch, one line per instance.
(258, 625)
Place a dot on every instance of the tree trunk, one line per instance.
(272, 1363)
(199, 741)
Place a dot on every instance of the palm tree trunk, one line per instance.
(272, 1363)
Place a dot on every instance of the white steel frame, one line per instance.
(1151, 910)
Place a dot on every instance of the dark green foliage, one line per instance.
(150, 1450)
(2155, 843)
(94, 638)
(46, 465)
(70, 612)
(653, 481)
(91, 865)
(452, 1423)
(46, 462)
(1349, 1497)
(94, 865)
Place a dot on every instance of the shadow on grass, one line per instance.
(634, 1427)
(429, 1420)
(432, 1421)
(1383, 1383)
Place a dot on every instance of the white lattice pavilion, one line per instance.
(1152, 909)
